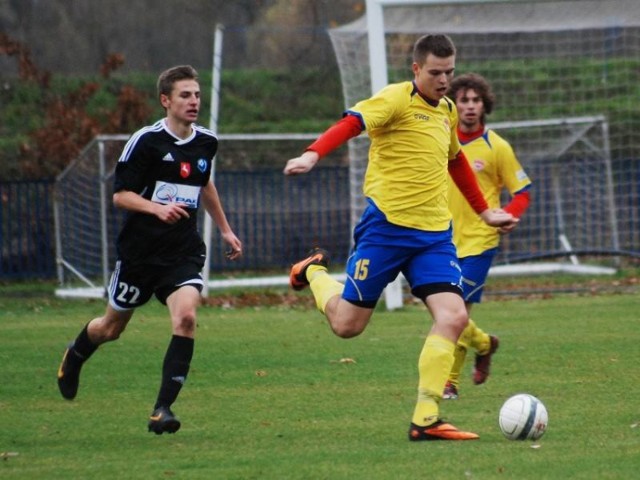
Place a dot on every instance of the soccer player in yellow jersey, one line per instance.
(406, 226)
(496, 168)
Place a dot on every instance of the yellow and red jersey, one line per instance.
(496, 168)
(412, 140)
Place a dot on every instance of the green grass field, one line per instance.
(271, 397)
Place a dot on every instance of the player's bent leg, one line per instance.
(110, 326)
(482, 364)
(449, 314)
(96, 332)
(326, 290)
(69, 373)
(298, 275)
(346, 319)
(451, 389)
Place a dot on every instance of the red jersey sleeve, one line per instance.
(518, 204)
(466, 181)
(341, 131)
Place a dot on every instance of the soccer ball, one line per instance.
(523, 417)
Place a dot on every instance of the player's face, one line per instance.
(183, 104)
(470, 108)
(434, 76)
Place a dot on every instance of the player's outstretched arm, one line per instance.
(341, 131)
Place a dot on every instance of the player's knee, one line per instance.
(346, 331)
(185, 322)
(459, 321)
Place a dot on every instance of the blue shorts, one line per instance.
(382, 250)
(475, 269)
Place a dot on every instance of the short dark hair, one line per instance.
(477, 83)
(439, 45)
(173, 75)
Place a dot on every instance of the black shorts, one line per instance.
(132, 285)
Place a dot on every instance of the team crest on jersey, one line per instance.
(478, 165)
(202, 165)
(447, 125)
(185, 169)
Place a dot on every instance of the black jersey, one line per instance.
(165, 169)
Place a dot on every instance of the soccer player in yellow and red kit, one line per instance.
(406, 226)
(496, 168)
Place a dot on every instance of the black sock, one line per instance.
(82, 347)
(174, 369)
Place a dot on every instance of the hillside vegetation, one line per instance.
(45, 122)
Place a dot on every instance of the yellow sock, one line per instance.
(322, 285)
(434, 365)
(478, 339)
(460, 354)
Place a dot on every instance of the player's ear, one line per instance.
(164, 100)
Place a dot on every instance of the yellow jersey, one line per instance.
(412, 140)
(496, 167)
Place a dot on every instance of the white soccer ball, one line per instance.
(523, 417)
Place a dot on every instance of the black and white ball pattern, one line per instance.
(523, 417)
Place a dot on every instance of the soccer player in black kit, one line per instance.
(161, 177)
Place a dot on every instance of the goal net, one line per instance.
(570, 65)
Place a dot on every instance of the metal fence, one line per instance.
(26, 230)
(27, 237)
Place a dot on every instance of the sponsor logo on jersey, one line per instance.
(185, 169)
(202, 165)
(166, 193)
(421, 116)
(168, 158)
